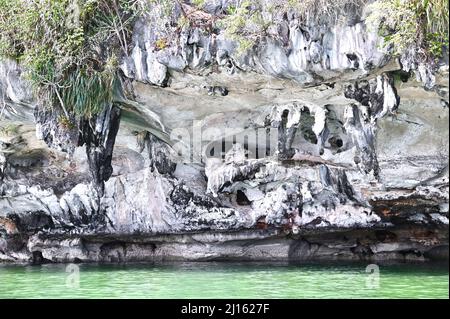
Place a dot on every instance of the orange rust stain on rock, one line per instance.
(261, 223)
(8, 225)
(386, 212)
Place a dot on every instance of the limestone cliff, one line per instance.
(315, 144)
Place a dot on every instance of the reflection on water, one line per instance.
(224, 280)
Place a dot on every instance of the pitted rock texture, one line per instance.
(306, 51)
(306, 147)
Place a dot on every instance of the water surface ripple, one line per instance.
(223, 280)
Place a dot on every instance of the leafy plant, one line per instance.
(245, 23)
(67, 47)
(9, 129)
(66, 122)
(198, 3)
(423, 24)
(322, 9)
(160, 44)
(167, 6)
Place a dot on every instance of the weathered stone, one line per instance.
(357, 168)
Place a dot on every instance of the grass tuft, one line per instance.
(68, 46)
(421, 24)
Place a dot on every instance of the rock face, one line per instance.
(305, 147)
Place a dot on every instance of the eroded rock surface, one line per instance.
(307, 147)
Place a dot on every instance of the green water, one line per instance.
(223, 280)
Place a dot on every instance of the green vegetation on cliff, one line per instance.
(70, 48)
(246, 23)
(419, 24)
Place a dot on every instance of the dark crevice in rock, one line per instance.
(364, 135)
(99, 135)
(335, 142)
(32, 222)
(306, 124)
(242, 199)
(115, 251)
(38, 259)
(159, 155)
(217, 90)
(376, 94)
(439, 253)
(56, 133)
